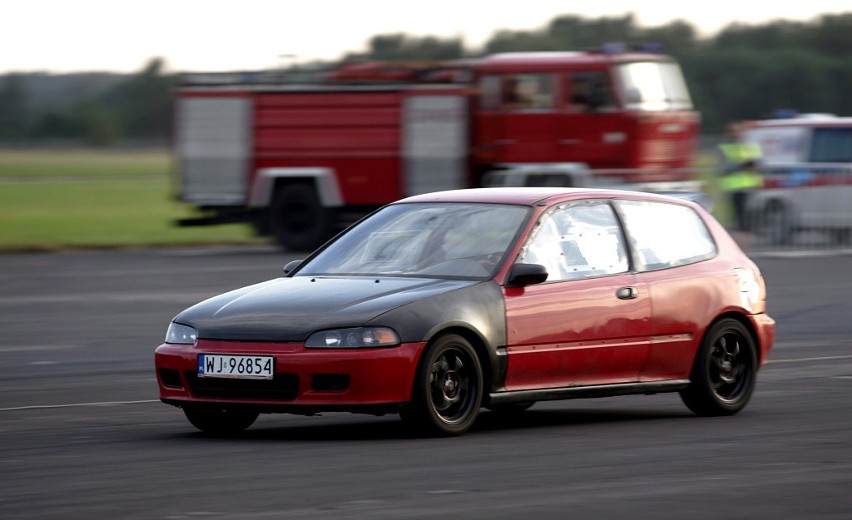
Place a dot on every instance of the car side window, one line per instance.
(664, 235)
(577, 241)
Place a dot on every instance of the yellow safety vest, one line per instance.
(738, 153)
(742, 177)
(741, 180)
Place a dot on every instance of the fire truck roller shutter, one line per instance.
(300, 205)
(213, 146)
(434, 144)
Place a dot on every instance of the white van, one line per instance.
(807, 167)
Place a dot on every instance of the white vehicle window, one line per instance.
(577, 241)
(651, 85)
(665, 235)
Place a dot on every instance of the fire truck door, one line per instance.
(590, 130)
(524, 126)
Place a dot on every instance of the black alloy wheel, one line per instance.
(448, 389)
(725, 371)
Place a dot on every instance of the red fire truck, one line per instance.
(302, 160)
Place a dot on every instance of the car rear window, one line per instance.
(664, 235)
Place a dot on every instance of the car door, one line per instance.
(588, 324)
(672, 244)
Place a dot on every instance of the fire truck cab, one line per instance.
(300, 160)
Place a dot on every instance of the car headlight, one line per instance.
(181, 334)
(353, 338)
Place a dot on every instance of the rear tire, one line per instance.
(218, 420)
(725, 371)
(298, 219)
(447, 391)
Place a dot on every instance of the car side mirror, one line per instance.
(521, 275)
(291, 266)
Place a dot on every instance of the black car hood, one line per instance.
(290, 309)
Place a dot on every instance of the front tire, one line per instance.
(217, 420)
(447, 391)
(725, 371)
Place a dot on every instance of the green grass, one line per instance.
(47, 212)
(83, 163)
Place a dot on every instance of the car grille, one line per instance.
(283, 387)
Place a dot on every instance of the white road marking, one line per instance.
(76, 405)
(804, 360)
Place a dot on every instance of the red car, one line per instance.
(441, 304)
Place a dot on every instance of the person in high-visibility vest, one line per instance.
(739, 174)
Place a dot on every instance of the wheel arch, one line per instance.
(745, 322)
(486, 356)
(269, 180)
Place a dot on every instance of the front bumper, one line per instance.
(306, 380)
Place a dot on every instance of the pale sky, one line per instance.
(211, 35)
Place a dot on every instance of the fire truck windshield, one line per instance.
(653, 86)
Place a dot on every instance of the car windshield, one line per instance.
(424, 239)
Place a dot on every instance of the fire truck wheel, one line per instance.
(297, 219)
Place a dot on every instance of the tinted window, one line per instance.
(577, 241)
(832, 145)
(665, 235)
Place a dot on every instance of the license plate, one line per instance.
(238, 367)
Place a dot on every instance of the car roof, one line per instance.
(534, 196)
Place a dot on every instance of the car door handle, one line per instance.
(626, 293)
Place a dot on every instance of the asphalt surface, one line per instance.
(82, 434)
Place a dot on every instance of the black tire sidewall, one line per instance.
(700, 396)
(423, 412)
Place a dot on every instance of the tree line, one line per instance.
(742, 72)
(96, 109)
